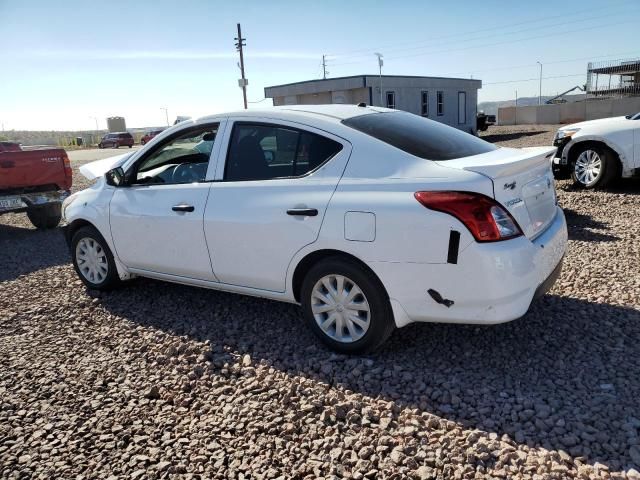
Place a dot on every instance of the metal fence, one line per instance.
(618, 78)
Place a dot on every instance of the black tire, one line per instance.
(111, 278)
(130, 146)
(608, 169)
(45, 217)
(381, 323)
(116, 145)
(142, 142)
(100, 146)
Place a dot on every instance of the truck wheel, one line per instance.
(45, 217)
(92, 260)
(594, 167)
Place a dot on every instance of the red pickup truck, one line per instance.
(34, 181)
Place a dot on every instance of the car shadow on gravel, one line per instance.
(585, 228)
(504, 137)
(564, 377)
(26, 250)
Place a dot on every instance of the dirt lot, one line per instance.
(159, 380)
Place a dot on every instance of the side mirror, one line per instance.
(115, 177)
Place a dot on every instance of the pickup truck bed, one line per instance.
(35, 182)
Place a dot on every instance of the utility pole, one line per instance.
(166, 114)
(96, 119)
(243, 81)
(515, 112)
(380, 63)
(540, 88)
(324, 67)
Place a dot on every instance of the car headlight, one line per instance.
(65, 204)
(560, 134)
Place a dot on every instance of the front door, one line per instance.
(157, 218)
(270, 199)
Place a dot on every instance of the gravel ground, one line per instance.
(165, 381)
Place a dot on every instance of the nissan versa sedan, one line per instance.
(369, 218)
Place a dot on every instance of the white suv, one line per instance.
(596, 152)
(370, 218)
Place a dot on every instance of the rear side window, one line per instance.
(264, 152)
(419, 136)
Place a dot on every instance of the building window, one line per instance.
(462, 108)
(391, 99)
(440, 103)
(424, 109)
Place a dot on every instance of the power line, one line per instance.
(583, 74)
(501, 33)
(512, 67)
(345, 54)
(496, 43)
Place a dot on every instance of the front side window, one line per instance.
(391, 99)
(264, 152)
(424, 107)
(440, 103)
(419, 136)
(182, 159)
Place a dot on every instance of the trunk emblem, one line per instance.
(510, 186)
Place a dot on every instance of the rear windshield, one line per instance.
(125, 135)
(419, 136)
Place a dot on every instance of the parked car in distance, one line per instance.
(484, 121)
(10, 147)
(369, 218)
(595, 152)
(34, 181)
(116, 140)
(149, 135)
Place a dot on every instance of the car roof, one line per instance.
(331, 112)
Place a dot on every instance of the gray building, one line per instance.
(448, 100)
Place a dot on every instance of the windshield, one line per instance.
(419, 136)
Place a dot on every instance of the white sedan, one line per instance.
(369, 218)
(596, 152)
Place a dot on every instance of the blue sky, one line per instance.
(67, 61)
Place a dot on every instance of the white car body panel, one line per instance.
(620, 134)
(240, 239)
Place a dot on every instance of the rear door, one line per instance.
(270, 198)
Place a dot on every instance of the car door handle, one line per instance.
(303, 212)
(183, 208)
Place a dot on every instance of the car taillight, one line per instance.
(485, 218)
(67, 169)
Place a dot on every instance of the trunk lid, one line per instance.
(522, 183)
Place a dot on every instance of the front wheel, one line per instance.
(346, 306)
(593, 167)
(45, 217)
(93, 260)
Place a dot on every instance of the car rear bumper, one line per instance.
(491, 282)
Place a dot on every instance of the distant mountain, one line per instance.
(491, 108)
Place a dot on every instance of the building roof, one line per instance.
(622, 68)
(355, 81)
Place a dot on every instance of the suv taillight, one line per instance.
(485, 218)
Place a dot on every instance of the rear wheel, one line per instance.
(45, 217)
(93, 261)
(594, 167)
(142, 142)
(346, 307)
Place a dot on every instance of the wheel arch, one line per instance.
(312, 258)
(581, 143)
